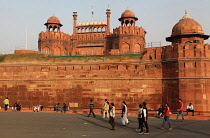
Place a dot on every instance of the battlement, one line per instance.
(91, 36)
(129, 30)
(54, 35)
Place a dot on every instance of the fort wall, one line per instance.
(77, 82)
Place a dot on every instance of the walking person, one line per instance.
(145, 118)
(145, 107)
(112, 116)
(166, 117)
(141, 113)
(91, 108)
(124, 114)
(106, 109)
(6, 104)
(180, 110)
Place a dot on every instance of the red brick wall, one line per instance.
(78, 82)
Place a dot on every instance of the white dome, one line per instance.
(99, 22)
(87, 23)
(95, 23)
(103, 22)
(79, 24)
(91, 23)
(83, 23)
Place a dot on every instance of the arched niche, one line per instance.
(137, 48)
(56, 51)
(125, 48)
(46, 50)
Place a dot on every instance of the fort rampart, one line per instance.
(76, 82)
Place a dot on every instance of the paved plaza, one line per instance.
(44, 125)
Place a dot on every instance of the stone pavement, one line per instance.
(44, 125)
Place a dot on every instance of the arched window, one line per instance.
(204, 51)
(155, 52)
(196, 41)
(150, 57)
(183, 51)
(132, 23)
(50, 28)
(194, 51)
(188, 42)
(126, 22)
(55, 28)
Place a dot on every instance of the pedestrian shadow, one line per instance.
(94, 123)
(179, 127)
(118, 123)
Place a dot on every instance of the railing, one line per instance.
(153, 44)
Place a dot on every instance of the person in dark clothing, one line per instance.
(146, 118)
(15, 107)
(91, 108)
(19, 106)
(141, 113)
(57, 107)
(112, 116)
(41, 107)
(145, 107)
(64, 108)
(160, 111)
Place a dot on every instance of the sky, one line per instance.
(157, 17)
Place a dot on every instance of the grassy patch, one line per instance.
(34, 58)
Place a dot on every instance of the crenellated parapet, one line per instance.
(60, 36)
(129, 30)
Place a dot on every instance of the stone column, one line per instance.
(75, 22)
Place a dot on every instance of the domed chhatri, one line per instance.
(128, 18)
(187, 25)
(53, 19)
(53, 23)
(187, 30)
(127, 13)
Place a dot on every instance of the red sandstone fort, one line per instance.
(156, 75)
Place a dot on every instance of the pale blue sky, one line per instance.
(157, 17)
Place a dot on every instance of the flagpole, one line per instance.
(92, 13)
(26, 44)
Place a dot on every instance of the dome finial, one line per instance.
(186, 16)
(186, 12)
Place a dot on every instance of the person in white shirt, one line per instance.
(190, 108)
(112, 116)
(142, 115)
